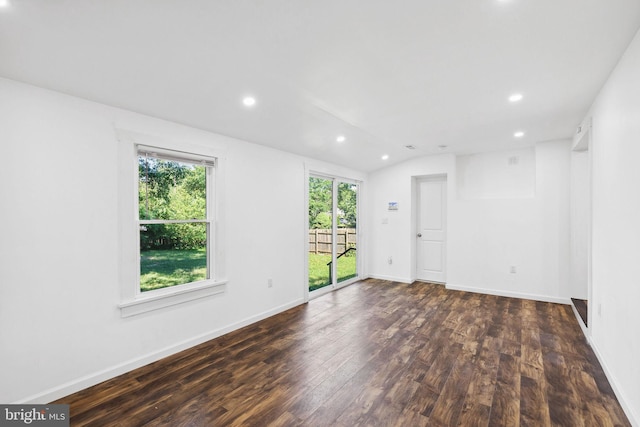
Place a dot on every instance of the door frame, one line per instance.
(583, 142)
(360, 254)
(415, 197)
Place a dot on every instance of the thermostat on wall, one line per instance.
(393, 206)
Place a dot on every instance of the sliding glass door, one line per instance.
(320, 232)
(333, 237)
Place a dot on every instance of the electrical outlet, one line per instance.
(390, 260)
(270, 283)
(512, 270)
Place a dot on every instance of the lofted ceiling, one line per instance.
(434, 74)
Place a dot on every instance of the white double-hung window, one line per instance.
(174, 220)
(174, 230)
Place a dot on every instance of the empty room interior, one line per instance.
(321, 212)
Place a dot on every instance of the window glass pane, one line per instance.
(171, 189)
(172, 254)
(320, 232)
(347, 242)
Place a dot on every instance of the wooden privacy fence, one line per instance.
(320, 240)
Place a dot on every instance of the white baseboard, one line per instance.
(406, 280)
(633, 418)
(78, 384)
(584, 328)
(628, 410)
(98, 377)
(501, 293)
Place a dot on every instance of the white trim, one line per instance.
(86, 381)
(305, 212)
(330, 288)
(328, 170)
(133, 301)
(335, 179)
(320, 291)
(176, 155)
(334, 231)
(633, 419)
(581, 140)
(178, 295)
(585, 331)
(416, 214)
(501, 293)
(361, 224)
(174, 221)
(406, 280)
(628, 410)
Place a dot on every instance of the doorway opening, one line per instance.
(580, 275)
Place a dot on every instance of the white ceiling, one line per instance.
(384, 74)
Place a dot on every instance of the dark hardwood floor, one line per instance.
(581, 306)
(375, 353)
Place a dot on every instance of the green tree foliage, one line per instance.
(347, 205)
(320, 200)
(320, 204)
(322, 221)
(171, 190)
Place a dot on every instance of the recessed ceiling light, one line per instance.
(519, 134)
(248, 101)
(385, 156)
(341, 138)
(515, 97)
(4, 3)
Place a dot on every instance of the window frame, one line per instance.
(186, 158)
(133, 300)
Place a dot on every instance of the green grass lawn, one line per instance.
(319, 271)
(164, 268)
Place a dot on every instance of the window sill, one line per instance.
(154, 301)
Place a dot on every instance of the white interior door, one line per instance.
(431, 232)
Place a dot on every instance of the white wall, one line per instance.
(392, 233)
(497, 175)
(615, 328)
(487, 234)
(60, 327)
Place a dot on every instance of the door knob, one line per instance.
(419, 234)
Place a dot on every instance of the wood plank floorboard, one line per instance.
(582, 306)
(375, 353)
